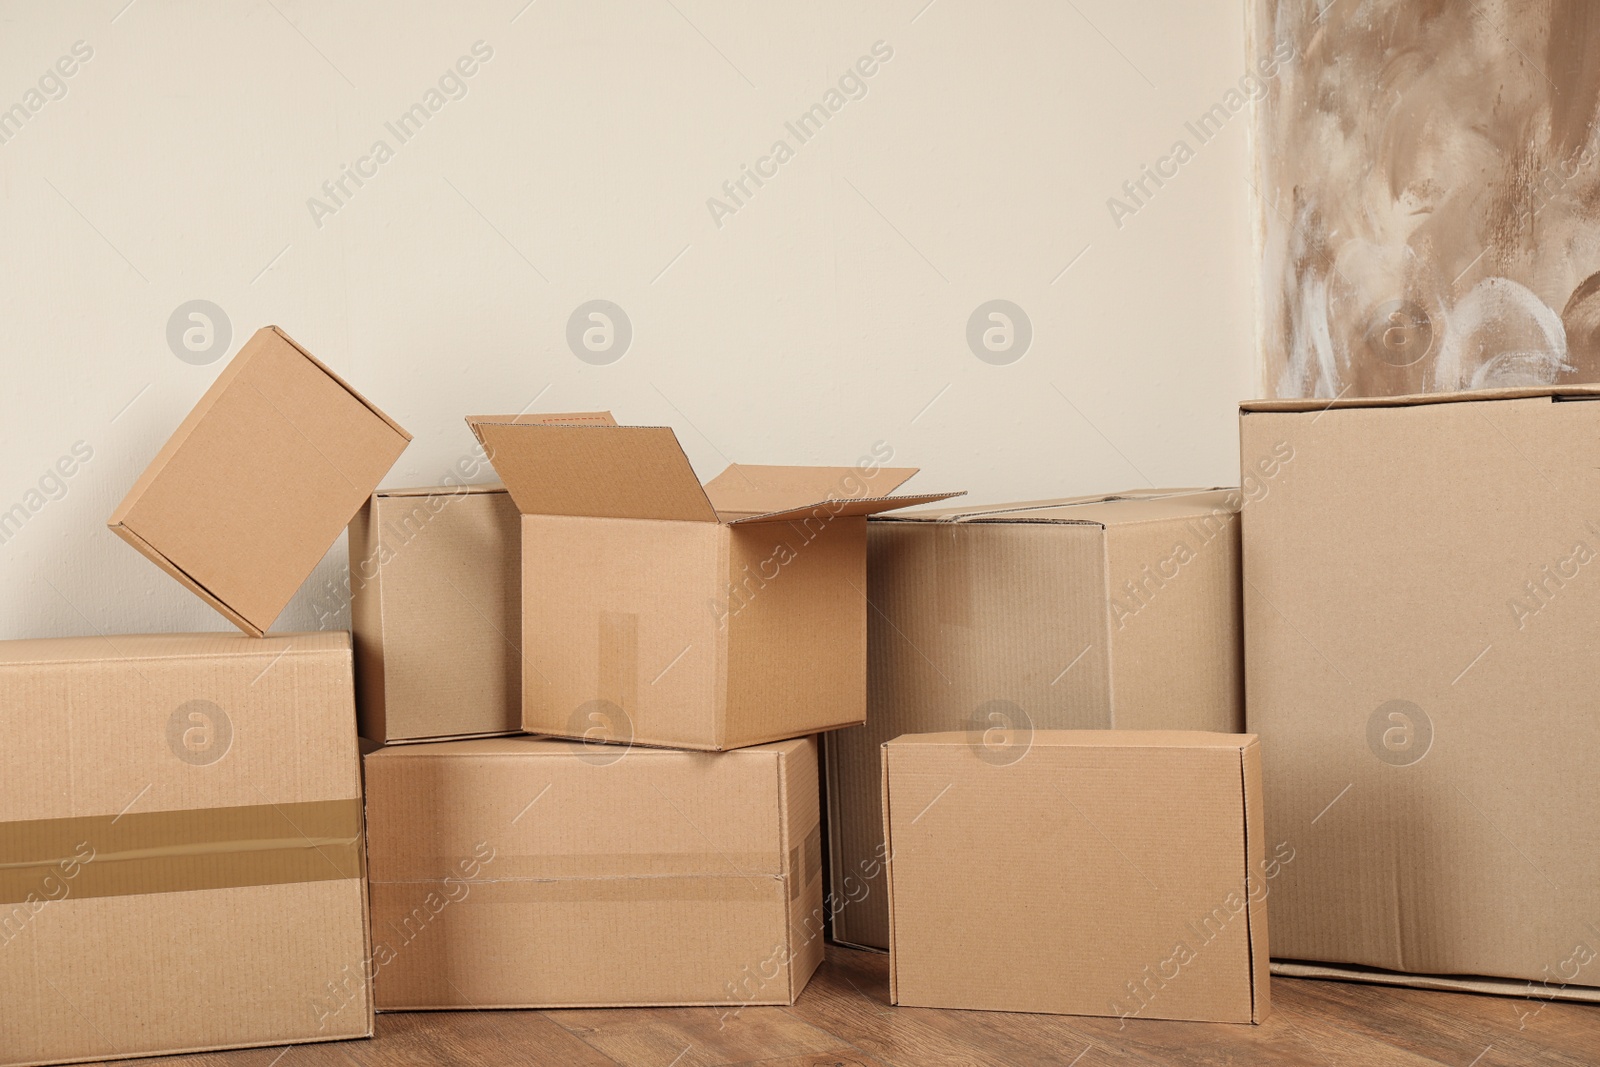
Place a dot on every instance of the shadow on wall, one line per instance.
(1429, 178)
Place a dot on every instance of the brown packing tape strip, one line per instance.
(402, 897)
(180, 851)
(952, 575)
(814, 854)
(592, 865)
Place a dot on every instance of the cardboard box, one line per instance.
(526, 872)
(1089, 613)
(1106, 872)
(259, 480)
(180, 846)
(1420, 617)
(659, 611)
(435, 602)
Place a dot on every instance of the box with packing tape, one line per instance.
(180, 846)
(661, 611)
(524, 872)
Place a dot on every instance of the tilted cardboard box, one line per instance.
(435, 602)
(257, 483)
(1093, 613)
(1421, 617)
(180, 846)
(659, 611)
(1105, 872)
(535, 873)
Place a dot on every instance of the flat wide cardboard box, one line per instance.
(662, 612)
(524, 872)
(259, 480)
(1105, 872)
(180, 846)
(435, 602)
(1090, 613)
(1422, 610)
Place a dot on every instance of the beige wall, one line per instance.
(828, 313)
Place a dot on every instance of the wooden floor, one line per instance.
(844, 1020)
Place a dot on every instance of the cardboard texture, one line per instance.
(259, 480)
(1420, 617)
(180, 846)
(435, 583)
(537, 873)
(1106, 872)
(1090, 613)
(659, 611)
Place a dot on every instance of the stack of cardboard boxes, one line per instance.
(592, 699)
(675, 647)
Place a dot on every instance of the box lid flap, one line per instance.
(863, 506)
(748, 492)
(578, 465)
(1138, 505)
(1410, 399)
(1096, 739)
(463, 489)
(760, 489)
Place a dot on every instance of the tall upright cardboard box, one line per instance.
(659, 611)
(180, 846)
(1095, 612)
(536, 873)
(435, 602)
(1422, 609)
(259, 481)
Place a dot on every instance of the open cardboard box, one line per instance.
(660, 611)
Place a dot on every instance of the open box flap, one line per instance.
(576, 465)
(839, 506)
(750, 489)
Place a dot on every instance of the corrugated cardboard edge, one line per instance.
(460, 489)
(346, 386)
(1501, 987)
(433, 739)
(888, 881)
(194, 1050)
(366, 622)
(796, 873)
(1255, 860)
(739, 1005)
(1413, 399)
(995, 512)
(1107, 636)
(859, 505)
(149, 552)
